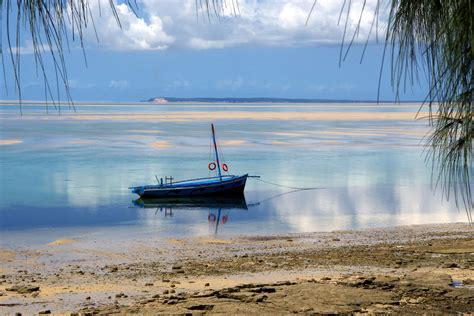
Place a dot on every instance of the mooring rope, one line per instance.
(283, 186)
(270, 198)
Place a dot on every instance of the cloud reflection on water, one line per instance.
(372, 171)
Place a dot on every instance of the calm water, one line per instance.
(68, 176)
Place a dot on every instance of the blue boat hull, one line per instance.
(226, 187)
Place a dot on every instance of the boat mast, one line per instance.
(215, 149)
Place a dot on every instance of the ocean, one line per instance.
(67, 175)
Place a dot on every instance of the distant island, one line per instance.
(164, 100)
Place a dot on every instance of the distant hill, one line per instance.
(164, 100)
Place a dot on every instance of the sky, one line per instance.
(248, 49)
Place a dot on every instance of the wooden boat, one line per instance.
(220, 185)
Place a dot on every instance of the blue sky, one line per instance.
(264, 51)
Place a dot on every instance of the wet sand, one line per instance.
(415, 269)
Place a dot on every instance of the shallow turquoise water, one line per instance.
(68, 176)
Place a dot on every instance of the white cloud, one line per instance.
(179, 24)
(318, 88)
(292, 16)
(76, 84)
(118, 84)
(232, 84)
(135, 33)
(244, 84)
(178, 84)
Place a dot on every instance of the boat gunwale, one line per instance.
(158, 187)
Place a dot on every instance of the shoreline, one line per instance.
(393, 269)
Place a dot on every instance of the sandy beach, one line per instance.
(422, 268)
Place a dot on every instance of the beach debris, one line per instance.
(44, 312)
(455, 283)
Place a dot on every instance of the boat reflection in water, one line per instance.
(217, 207)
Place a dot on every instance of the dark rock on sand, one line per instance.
(264, 290)
(450, 265)
(468, 281)
(23, 289)
(260, 298)
(201, 307)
